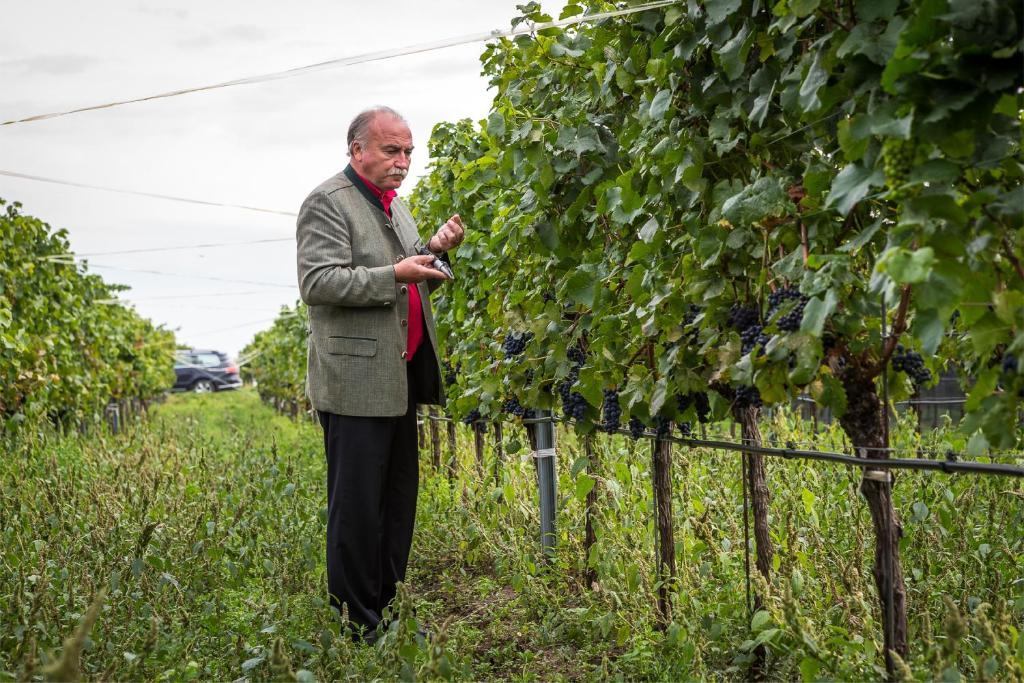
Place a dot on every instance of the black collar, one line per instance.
(363, 189)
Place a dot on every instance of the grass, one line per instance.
(205, 526)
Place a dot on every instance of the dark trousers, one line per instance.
(372, 479)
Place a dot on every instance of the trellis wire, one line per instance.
(952, 465)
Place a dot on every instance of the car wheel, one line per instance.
(203, 386)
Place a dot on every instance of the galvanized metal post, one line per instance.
(545, 460)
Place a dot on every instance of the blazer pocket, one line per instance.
(351, 346)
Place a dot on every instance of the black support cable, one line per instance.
(949, 466)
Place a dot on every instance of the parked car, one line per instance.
(203, 370)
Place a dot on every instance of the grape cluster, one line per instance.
(1009, 364)
(547, 296)
(753, 336)
(910, 362)
(748, 397)
(791, 319)
(473, 418)
(703, 407)
(577, 356)
(451, 374)
(897, 159)
(636, 428)
(515, 343)
(512, 406)
(575, 406)
(685, 430)
(743, 317)
(611, 411)
(699, 401)
(573, 403)
(691, 314)
(747, 321)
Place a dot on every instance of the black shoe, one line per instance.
(364, 636)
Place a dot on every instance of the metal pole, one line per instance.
(545, 459)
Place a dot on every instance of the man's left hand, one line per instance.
(449, 236)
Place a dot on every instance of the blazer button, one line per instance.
(404, 289)
(398, 258)
(405, 354)
(404, 322)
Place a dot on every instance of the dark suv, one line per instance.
(202, 370)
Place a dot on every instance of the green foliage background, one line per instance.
(67, 347)
(703, 155)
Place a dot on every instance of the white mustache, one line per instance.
(399, 171)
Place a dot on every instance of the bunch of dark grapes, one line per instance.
(742, 317)
(573, 403)
(547, 296)
(512, 406)
(748, 397)
(575, 406)
(703, 406)
(565, 386)
(611, 411)
(1009, 364)
(691, 314)
(753, 336)
(685, 429)
(515, 343)
(897, 159)
(747, 322)
(683, 401)
(662, 427)
(791, 319)
(636, 428)
(577, 356)
(473, 418)
(910, 362)
(451, 374)
(689, 318)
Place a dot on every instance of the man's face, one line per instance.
(384, 157)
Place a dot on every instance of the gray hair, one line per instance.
(361, 123)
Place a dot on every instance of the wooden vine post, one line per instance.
(866, 423)
(862, 422)
(661, 480)
(435, 439)
(479, 429)
(590, 575)
(421, 429)
(453, 461)
(499, 452)
(756, 483)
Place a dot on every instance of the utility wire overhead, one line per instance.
(361, 59)
(132, 299)
(191, 277)
(182, 247)
(152, 195)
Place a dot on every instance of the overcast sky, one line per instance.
(264, 145)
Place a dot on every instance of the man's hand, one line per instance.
(417, 269)
(449, 236)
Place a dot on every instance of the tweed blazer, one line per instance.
(358, 313)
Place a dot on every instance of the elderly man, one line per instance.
(372, 357)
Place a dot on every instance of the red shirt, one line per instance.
(415, 304)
